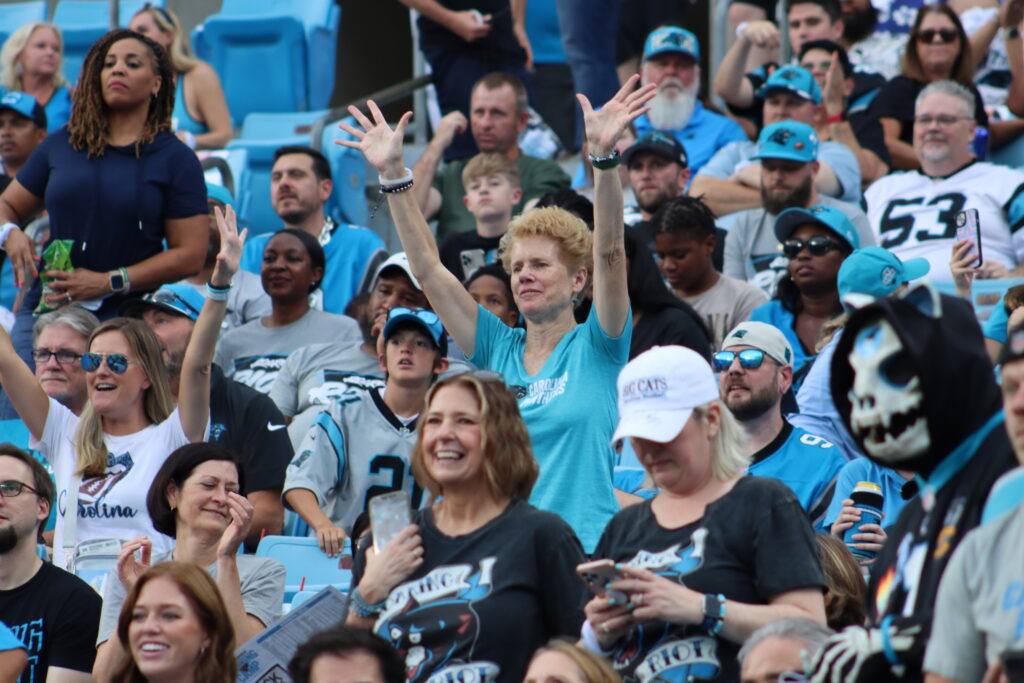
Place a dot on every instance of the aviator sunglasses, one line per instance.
(818, 245)
(117, 362)
(750, 359)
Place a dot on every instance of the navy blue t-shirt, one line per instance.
(114, 206)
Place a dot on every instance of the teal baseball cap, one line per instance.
(177, 298)
(24, 105)
(671, 39)
(827, 217)
(877, 272)
(794, 79)
(219, 193)
(789, 140)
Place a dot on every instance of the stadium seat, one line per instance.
(16, 14)
(83, 22)
(348, 200)
(272, 55)
(307, 568)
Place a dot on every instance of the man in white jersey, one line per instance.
(361, 446)
(914, 213)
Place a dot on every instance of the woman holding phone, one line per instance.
(716, 554)
(481, 578)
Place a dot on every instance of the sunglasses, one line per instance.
(117, 362)
(12, 488)
(166, 297)
(946, 35)
(750, 359)
(63, 356)
(818, 245)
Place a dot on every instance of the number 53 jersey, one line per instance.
(914, 215)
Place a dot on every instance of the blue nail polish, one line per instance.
(611, 601)
(630, 607)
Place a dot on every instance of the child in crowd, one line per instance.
(491, 287)
(492, 190)
(684, 239)
(361, 447)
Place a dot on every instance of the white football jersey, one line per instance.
(914, 215)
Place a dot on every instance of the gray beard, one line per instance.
(673, 113)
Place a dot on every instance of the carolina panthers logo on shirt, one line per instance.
(655, 652)
(433, 621)
(342, 387)
(258, 372)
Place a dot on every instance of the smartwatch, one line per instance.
(714, 613)
(118, 280)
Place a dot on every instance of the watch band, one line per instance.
(714, 613)
(836, 118)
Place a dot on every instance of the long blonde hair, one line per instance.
(10, 74)
(90, 446)
(182, 58)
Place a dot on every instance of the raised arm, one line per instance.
(382, 147)
(194, 393)
(27, 396)
(603, 129)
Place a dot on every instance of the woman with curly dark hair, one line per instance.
(116, 184)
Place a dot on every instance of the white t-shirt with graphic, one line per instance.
(112, 505)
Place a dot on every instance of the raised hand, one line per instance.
(380, 144)
(128, 568)
(396, 561)
(240, 510)
(605, 127)
(230, 254)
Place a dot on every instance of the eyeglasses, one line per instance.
(818, 245)
(117, 362)
(169, 298)
(750, 359)
(63, 356)
(944, 120)
(12, 488)
(945, 35)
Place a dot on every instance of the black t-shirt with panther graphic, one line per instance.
(752, 544)
(482, 603)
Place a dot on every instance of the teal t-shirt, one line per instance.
(570, 410)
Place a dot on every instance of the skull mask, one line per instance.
(887, 406)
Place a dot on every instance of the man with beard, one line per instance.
(730, 181)
(670, 60)
(914, 213)
(658, 171)
(788, 155)
(869, 48)
(241, 418)
(300, 184)
(756, 366)
(53, 613)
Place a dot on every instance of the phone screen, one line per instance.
(968, 228)
(389, 514)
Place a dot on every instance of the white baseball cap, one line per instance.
(399, 260)
(658, 391)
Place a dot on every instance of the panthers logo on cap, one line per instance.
(888, 275)
(739, 334)
(817, 210)
(788, 74)
(781, 137)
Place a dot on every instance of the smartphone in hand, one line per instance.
(597, 575)
(389, 514)
(968, 227)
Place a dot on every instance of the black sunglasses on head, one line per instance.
(818, 245)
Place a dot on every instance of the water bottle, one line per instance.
(980, 143)
(867, 497)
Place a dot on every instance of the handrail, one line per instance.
(382, 97)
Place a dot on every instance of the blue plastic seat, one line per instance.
(307, 568)
(13, 15)
(83, 22)
(347, 203)
(272, 55)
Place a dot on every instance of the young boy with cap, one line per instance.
(362, 446)
(815, 241)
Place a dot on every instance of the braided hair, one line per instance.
(88, 126)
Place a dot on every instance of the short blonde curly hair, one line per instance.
(574, 238)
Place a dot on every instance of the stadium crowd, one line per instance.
(732, 394)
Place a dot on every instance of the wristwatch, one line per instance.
(714, 613)
(118, 280)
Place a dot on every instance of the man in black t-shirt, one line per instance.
(241, 419)
(53, 613)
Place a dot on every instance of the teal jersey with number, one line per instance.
(356, 449)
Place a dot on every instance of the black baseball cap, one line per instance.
(659, 143)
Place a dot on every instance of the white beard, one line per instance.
(673, 112)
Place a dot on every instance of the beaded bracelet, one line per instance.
(392, 185)
(363, 608)
(605, 163)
